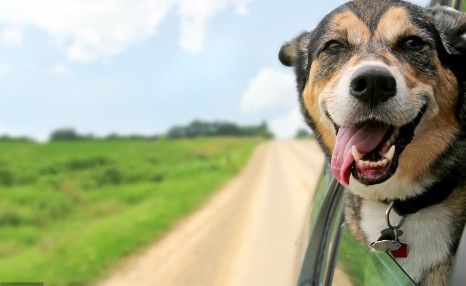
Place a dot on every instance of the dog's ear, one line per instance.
(451, 25)
(291, 51)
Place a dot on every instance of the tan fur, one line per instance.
(435, 134)
(394, 23)
(311, 101)
(348, 26)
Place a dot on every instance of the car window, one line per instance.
(323, 187)
(324, 223)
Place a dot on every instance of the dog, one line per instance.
(382, 85)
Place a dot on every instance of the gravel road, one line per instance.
(252, 232)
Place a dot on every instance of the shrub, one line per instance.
(6, 178)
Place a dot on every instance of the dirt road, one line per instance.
(249, 233)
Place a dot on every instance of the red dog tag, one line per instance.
(402, 252)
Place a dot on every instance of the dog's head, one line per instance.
(380, 83)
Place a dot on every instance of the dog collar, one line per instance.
(435, 194)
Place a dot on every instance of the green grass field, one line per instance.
(69, 211)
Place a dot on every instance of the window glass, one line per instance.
(323, 188)
(357, 265)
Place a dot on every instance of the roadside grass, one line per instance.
(69, 211)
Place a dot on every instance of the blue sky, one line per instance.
(142, 66)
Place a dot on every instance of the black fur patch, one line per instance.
(433, 195)
(369, 13)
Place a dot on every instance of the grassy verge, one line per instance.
(68, 211)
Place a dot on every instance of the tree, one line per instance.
(65, 134)
(303, 133)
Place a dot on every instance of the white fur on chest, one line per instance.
(426, 233)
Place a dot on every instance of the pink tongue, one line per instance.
(366, 138)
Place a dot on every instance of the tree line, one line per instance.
(200, 128)
(9, 138)
(69, 134)
(196, 128)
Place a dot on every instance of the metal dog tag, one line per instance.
(388, 241)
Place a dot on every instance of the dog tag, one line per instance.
(389, 238)
(388, 241)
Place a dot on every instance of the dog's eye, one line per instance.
(413, 43)
(334, 46)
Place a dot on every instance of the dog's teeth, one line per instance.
(392, 139)
(384, 162)
(390, 153)
(356, 154)
(387, 144)
(369, 164)
(396, 132)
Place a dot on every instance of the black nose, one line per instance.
(373, 85)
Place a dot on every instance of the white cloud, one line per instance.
(288, 124)
(61, 70)
(89, 30)
(274, 90)
(242, 7)
(195, 16)
(12, 36)
(270, 89)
